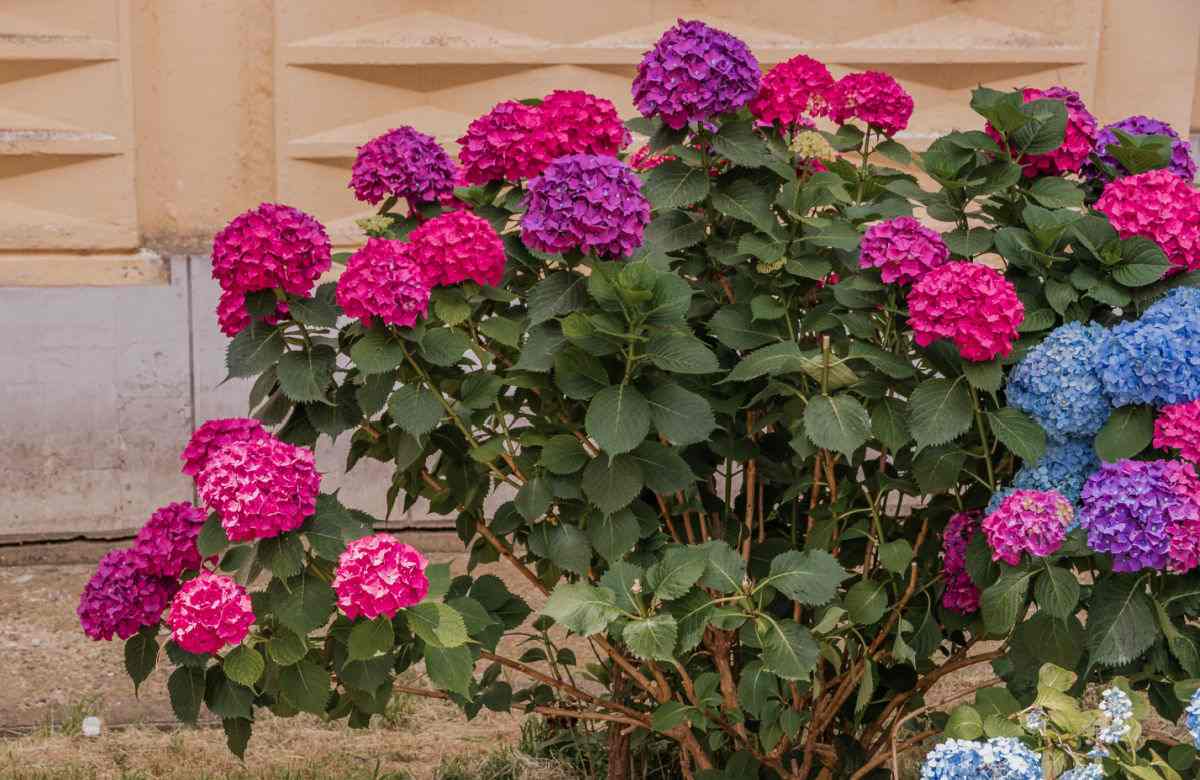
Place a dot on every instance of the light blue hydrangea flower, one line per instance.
(1193, 718)
(1156, 359)
(1035, 720)
(1000, 758)
(1117, 709)
(1064, 467)
(1180, 299)
(1087, 772)
(1058, 382)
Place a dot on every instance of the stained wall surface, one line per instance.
(131, 130)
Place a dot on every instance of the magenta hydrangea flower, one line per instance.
(271, 247)
(1078, 140)
(404, 163)
(384, 279)
(1145, 514)
(233, 318)
(166, 544)
(503, 145)
(1178, 428)
(969, 303)
(872, 97)
(695, 72)
(578, 122)
(121, 597)
(215, 434)
(1160, 206)
(961, 594)
(210, 612)
(454, 247)
(1032, 521)
(379, 575)
(792, 91)
(260, 488)
(902, 249)
(586, 202)
(643, 159)
(1182, 164)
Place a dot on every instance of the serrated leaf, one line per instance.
(896, 555)
(866, 602)
(610, 484)
(745, 201)
(582, 608)
(652, 638)
(370, 638)
(839, 423)
(141, 655)
(671, 231)
(724, 568)
(674, 184)
(286, 647)
(1057, 591)
(283, 555)
(244, 665)
(377, 352)
(680, 568)
(987, 376)
(446, 346)
(212, 539)
(663, 469)
(734, 326)
(450, 668)
(1019, 432)
(1128, 431)
(254, 350)
(940, 410)
(1054, 192)
(965, 722)
(618, 418)
(1003, 601)
(788, 649)
(810, 577)
(681, 415)
(557, 294)
(939, 469)
(889, 422)
(1121, 624)
(303, 603)
(416, 409)
(186, 689)
(563, 454)
(305, 686)
(436, 624)
(578, 374)
(614, 535)
(681, 354)
(237, 735)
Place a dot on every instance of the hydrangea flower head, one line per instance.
(1032, 521)
(1093, 771)
(578, 122)
(1058, 382)
(166, 544)
(1193, 718)
(1145, 514)
(1160, 206)
(210, 612)
(969, 303)
(811, 145)
(1000, 758)
(121, 597)
(695, 72)
(403, 163)
(210, 437)
(1182, 164)
(233, 317)
(1117, 710)
(271, 247)
(961, 594)
(458, 246)
(1064, 468)
(1154, 360)
(384, 279)
(260, 488)
(1078, 140)
(872, 97)
(1178, 428)
(379, 575)
(902, 249)
(585, 202)
(503, 145)
(792, 91)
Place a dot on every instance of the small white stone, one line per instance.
(91, 726)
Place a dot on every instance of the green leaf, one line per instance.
(771, 360)
(939, 469)
(738, 142)
(283, 554)
(141, 655)
(534, 498)
(254, 350)
(941, 410)
(1004, 601)
(446, 346)
(1121, 624)
(541, 345)
(810, 577)
(244, 665)
(1019, 432)
(623, 578)
(839, 423)
(987, 376)
(653, 638)
(286, 647)
(582, 608)
(681, 354)
(734, 326)
(671, 231)
(788, 649)
(377, 352)
(578, 374)
(1128, 431)
(756, 688)
(724, 568)
(894, 151)
(415, 409)
(305, 686)
(237, 735)
(1143, 263)
(557, 294)
(896, 556)
(332, 527)
(681, 415)
(1054, 192)
(866, 602)
(1057, 591)
(225, 698)
(568, 548)
(302, 603)
(674, 185)
(370, 638)
(614, 535)
(889, 422)
(563, 454)
(611, 483)
(372, 395)
(673, 576)
(436, 624)
(618, 418)
(743, 200)
(450, 668)
(670, 715)
(212, 538)
(664, 470)
(965, 722)
(186, 689)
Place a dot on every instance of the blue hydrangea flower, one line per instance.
(1193, 718)
(1180, 299)
(1000, 758)
(1086, 772)
(1058, 383)
(1035, 720)
(1118, 710)
(1156, 359)
(998, 498)
(1064, 467)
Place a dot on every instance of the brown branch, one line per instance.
(428, 693)
(666, 516)
(559, 712)
(567, 688)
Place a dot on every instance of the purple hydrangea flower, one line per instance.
(1058, 384)
(585, 202)
(695, 72)
(404, 163)
(1146, 514)
(121, 597)
(1182, 164)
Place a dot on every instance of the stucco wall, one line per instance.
(131, 130)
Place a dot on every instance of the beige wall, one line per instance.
(133, 124)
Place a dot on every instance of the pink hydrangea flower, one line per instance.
(232, 316)
(1184, 528)
(969, 303)
(210, 612)
(272, 246)
(405, 163)
(961, 594)
(215, 434)
(166, 544)
(1178, 427)
(379, 575)
(791, 90)
(1032, 521)
(260, 488)
(457, 246)
(384, 279)
(1078, 141)
(1160, 206)
(121, 598)
(902, 249)
(577, 122)
(872, 97)
(502, 145)
(644, 160)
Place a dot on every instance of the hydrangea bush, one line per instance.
(780, 432)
